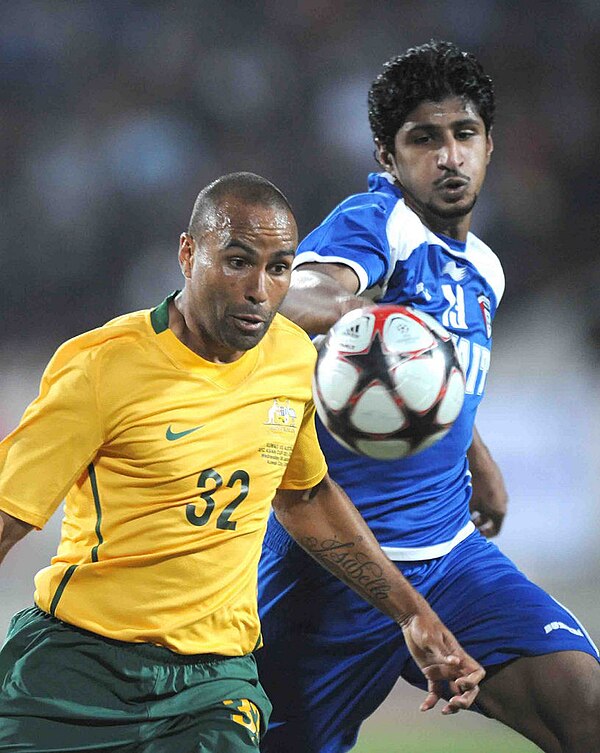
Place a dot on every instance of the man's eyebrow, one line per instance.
(233, 243)
(428, 126)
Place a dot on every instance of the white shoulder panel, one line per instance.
(486, 262)
(405, 233)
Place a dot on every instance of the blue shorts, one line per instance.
(330, 659)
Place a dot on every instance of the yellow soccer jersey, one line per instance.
(169, 464)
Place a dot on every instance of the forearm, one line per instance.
(489, 500)
(315, 301)
(331, 530)
(478, 454)
(325, 522)
(11, 531)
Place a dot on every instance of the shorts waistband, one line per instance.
(277, 538)
(415, 554)
(150, 651)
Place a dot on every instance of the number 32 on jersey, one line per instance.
(214, 481)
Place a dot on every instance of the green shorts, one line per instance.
(64, 690)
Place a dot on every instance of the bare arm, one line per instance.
(11, 531)
(489, 501)
(320, 294)
(325, 523)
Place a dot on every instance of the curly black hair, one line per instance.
(427, 73)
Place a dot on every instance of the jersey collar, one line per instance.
(386, 183)
(224, 375)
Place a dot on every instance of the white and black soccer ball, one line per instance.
(388, 382)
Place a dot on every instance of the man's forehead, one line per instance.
(231, 213)
(450, 109)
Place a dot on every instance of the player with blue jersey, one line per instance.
(330, 659)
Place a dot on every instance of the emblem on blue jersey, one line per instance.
(452, 269)
(486, 312)
(422, 290)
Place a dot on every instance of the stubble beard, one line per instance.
(450, 212)
(240, 341)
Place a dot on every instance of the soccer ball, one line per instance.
(388, 382)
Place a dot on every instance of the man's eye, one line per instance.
(464, 135)
(279, 269)
(421, 139)
(237, 262)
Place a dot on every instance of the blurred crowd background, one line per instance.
(114, 113)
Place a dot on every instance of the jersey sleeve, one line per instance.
(354, 235)
(307, 465)
(58, 436)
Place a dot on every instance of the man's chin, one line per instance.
(449, 211)
(247, 342)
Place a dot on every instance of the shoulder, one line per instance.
(287, 361)
(356, 232)
(487, 264)
(369, 209)
(406, 232)
(379, 218)
(285, 339)
(113, 338)
(286, 333)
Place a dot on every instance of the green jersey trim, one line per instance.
(159, 316)
(61, 587)
(98, 506)
(259, 642)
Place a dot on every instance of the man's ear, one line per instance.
(382, 156)
(186, 254)
(490, 147)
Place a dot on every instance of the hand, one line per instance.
(318, 341)
(489, 501)
(441, 659)
(11, 530)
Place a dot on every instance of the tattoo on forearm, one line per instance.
(355, 568)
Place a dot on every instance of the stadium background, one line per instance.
(114, 115)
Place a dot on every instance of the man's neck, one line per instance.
(195, 341)
(452, 227)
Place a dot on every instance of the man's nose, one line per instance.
(256, 291)
(450, 155)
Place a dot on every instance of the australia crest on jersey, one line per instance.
(486, 312)
(281, 414)
(282, 423)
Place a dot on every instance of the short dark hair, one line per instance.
(247, 187)
(428, 73)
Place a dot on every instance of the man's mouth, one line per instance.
(248, 323)
(453, 187)
(454, 181)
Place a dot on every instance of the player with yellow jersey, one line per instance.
(169, 469)
(170, 432)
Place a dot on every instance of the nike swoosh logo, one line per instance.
(173, 435)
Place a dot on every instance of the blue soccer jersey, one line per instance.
(330, 658)
(417, 507)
